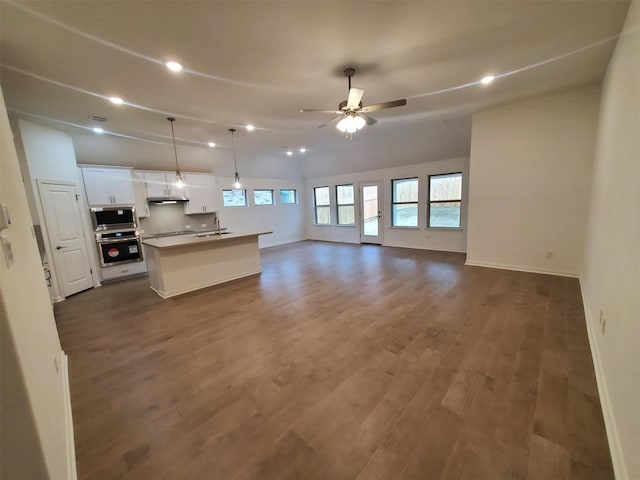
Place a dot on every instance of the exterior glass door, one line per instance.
(370, 201)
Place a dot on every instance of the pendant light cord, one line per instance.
(233, 145)
(175, 151)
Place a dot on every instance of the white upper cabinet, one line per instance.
(162, 184)
(202, 192)
(140, 192)
(108, 186)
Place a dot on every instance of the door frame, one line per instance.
(57, 293)
(379, 184)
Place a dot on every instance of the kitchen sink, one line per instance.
(198, 233)
(171, 234)
(212, 234)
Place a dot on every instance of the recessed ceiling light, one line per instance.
(98, 130)
(302, 150)
(116, 100)
(174, 66)
(250, 127)
(488, 79)
(211, 144)
(289, 153)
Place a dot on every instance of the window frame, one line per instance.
(246, 199)
(295, 196)
(429, 201)
(352, 205)
(273, 201)
(315, 205)
(394, 203)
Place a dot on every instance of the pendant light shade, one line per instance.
(236, 180)
(179, 180)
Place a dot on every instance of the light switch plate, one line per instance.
(5, 218)
(8, 252)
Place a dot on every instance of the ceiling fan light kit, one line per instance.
(351, 114)
(351, 123)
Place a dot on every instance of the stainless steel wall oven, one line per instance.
(116, 247)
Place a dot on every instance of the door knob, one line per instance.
(59, 247)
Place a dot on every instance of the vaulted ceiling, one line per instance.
(261, 62)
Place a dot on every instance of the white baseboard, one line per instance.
(70, 440)
(617, 455)
(520, 268)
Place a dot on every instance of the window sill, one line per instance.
(398, 227)
(449, 229)
(352, 225)
(322, 225)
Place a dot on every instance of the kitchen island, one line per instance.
(184, 263)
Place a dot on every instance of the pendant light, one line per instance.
(236, 181)
(179, 181)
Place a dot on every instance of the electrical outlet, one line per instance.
(187, 226)
(204, 225)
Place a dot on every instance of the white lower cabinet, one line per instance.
(124, 270)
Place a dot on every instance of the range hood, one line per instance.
(167, 200)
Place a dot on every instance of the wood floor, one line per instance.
(338, 362)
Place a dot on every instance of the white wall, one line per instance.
(24, 302)
(611, 274)
(286, 221)
(420, 237)
(531, 168)
(49, 155)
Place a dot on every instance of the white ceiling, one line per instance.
(260, 62)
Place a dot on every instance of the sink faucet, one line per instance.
(218, 230)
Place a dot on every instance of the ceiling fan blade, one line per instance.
(380, 106)
(306, 110)
(331, 121)
(368, 119)
(355, 95)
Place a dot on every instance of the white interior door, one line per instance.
(371, 213)
(61, 210)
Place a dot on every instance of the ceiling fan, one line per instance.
(352, 116)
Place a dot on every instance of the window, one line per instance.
(404, 209)
(263, 197)
(323, 205)
(234, 198)
(445, 199)
(288, 196)
(345, 196)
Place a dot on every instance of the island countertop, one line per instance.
(184, 263)
(197, 239)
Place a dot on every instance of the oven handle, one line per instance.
(119, 240)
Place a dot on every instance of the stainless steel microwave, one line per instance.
(110, 218)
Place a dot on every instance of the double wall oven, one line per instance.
(117, 235)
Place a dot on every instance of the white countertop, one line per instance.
(196, 239)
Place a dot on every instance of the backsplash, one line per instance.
(171, 217)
